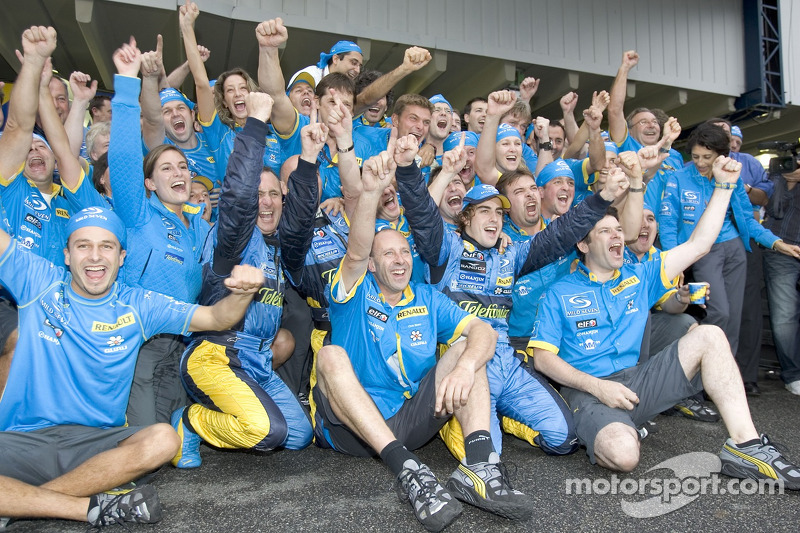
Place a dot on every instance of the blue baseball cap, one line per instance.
(648, 207)
(342, 47)
(170, 95)
(480, 193)
(439, 99)
(506, 130)
(98, 217)
(611, 147)
(557, 168)
(452, 140)
(736, 131)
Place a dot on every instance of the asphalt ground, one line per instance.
(321, 490)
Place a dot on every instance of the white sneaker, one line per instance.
(794, 387)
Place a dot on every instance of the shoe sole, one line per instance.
(691, 415)
(509, 510)
(454, 508)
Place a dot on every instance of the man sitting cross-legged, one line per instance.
(380, 389)
(588, 333)
(63, 433)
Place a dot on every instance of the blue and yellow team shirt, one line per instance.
(219, 141)
(40, 225)
(392, 348)
(75, 357)
(515, 232)
(528, 291)
(361, 122)
(598, 327)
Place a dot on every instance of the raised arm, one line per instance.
(271, 34)
(573, 149)
(177, 76)
(420, 209)
(187, 15)
(561, 235)
(376, 175)
(452, 163)
(632, 206)
(297, 222)
(340, 125)
(83, 90)
(38, 42)
(617, 126)
(125, 146)
(69, 166)
(726, 173)
(238, 204)
(243, 283)
(499, 103)
(152, 119)
(568, 103)
(597, 148)
(414, 59)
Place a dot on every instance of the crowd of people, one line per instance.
(279, 264)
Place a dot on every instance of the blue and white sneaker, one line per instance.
(189, 454)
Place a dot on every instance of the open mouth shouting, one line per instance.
(616, 250)
(455, 201)
(95, 273)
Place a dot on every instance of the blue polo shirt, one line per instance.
(392, 348)
(598, 327)
(75, 357)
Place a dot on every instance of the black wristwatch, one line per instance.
(546, 146)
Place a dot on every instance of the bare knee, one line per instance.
(282, 347)
(331, 361)
(155, 445)
(616, 447)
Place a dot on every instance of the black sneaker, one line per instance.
(696, 410)
(487, 486)
(115, 507)
(759, 461)
(433, 505)
(647, 429)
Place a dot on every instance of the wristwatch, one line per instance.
(546, 146)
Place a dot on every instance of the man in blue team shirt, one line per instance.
(380, 388)
(589, 330)
(63, 438)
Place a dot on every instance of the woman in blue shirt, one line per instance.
(686, 195)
